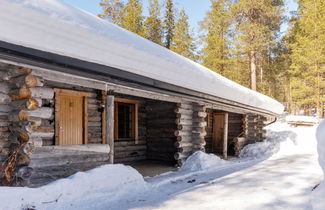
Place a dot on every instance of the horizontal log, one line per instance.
(184, 117)
(15, 72)
(183, 144)
(4, 134)
(36, 92)
(5, 108)
(200, 114)
(4, 99)
(94, 124)
(47, 135)
(93, 101)
(182, 133)
(29, 103)
(4, 129)
(94, 118)
(183, 111)
(189, 121)
(199, 135)
(130, 148)
(27, 81)
(128, 143)
(4, 88)
(42, 113)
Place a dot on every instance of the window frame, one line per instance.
(134, 120)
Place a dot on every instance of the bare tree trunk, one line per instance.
(252, 58)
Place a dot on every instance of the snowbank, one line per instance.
(318, 196)
(200, 161)
(279, 138)
(52, 26)
(109, 181)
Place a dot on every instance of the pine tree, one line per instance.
(112, 10)
(256, 26)
(307, 68)
(132, 19)
(169, 22)
(215, 54)
(183, 42)
(152, 23)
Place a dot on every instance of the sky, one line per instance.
(196, 9)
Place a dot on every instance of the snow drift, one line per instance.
(278, 139)
(318, 196)
(108, 181)
(200, 161)
(52, 26)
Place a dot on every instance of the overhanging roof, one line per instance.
(51, 32)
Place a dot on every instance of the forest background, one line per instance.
(257, 43)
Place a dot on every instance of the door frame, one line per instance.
(225, 125)
(59, 92)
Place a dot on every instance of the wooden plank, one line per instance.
(115, 120)
(57, 118)
(110, 125)
(85, 112)
(136, 121)
(126, 100)
(72, 92)
(225, 136)
(104, 121)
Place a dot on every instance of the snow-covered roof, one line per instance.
(52, 26)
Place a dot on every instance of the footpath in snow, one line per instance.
(279, 173)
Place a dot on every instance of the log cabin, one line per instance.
(77, 92)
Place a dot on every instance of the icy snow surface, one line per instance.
(277, 174)
(52, 26)
(318, 199)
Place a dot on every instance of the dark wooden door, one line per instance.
(218, 130)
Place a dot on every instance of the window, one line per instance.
(126, 119)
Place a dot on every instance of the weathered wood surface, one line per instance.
(160, 130)
(110, 126)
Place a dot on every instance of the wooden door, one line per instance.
(218, 131)
(70, 117)
(71, 120)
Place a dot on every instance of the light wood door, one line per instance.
(70, 122)
(218, 131)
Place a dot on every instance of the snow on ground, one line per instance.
(279, 173)
(318, 200)
(300, 118)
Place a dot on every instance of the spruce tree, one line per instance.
(183, 42)
(132, 19)
(215, 53)
(169, 22)
(152, 23)
(112, 10)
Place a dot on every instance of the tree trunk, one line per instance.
(252, 60)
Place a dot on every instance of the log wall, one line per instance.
(190, 133)
(160, 130)
(25, 98)
(94, 113)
